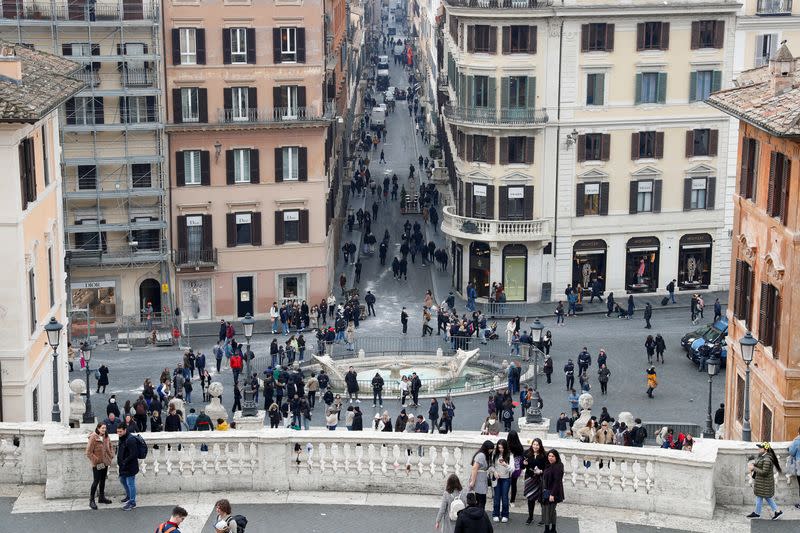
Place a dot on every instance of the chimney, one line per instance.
(10, 64)
(782, 68)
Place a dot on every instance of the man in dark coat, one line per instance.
(648, 314)
(415, 386)
(128, 462)
(352, 384)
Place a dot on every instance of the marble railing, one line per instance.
(640, 479)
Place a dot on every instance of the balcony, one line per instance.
(493, 230)
(774, 7)
(88, 76)
(275, 115)
(129, 12)
(505, 4)
(137, 77)
(488, 116)
(117, 253)
(197, 259)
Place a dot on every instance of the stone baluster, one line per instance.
(348, 453)
(433, 455)
(204, 462)
(650, 472)
(359, 452)
(322, 450)
(372, 454)
(573, 463)
(254, 455)
(612, 473)
(335, 456)
(241, 457)
(396, 455)
(636, 470)
(217, 453)
(624, 475)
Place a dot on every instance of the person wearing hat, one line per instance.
(762, 470)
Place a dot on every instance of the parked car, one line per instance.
(708, 337)
(388, 95)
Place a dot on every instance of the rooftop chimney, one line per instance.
(782, 68)
(10, 64)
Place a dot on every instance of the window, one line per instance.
(480, 148)
(701, 143)
(515, 204)
(291, 226)
(594, 147)
(597, 37)
(484, 39)
(479, 201)
(141, 175)
(238, 38)
(32, 299)
(595, 89)
(743, 292)
(766, 423)
(90, 240)
(766, 45)
(651, 88)
(702, 83)
(769, 317)
(644, 196)
(518, 91)
(288, 45)
(591, 199)
(288, 98)
(87, 177)
(188, 46)
(516, 149)
(519, 39)
(191, 167)
(194, 237)
(481, 92)
(243, 228)
(239, 102)
(81, 110)
(778, 192)
(291, 163)
(190, 104)
(739, 398)
(647, 145)
(698, 193)
(45, 156)
(652, 36)
(27, 172)
(241, 165)
(748, 173)
(51, 277)
(708, 34)
(136, 109)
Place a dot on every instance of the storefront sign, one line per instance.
(194, 221)
(645, 186)
(479, 190)
(698, 184)
(591, 188)
(643, 241)
(243, 218)
(105, 284)
(516, 192)
(244, 296)
(695, 238)
(291, 216)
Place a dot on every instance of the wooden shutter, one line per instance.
(716, 80)
(176, 47)
(584, 38)
(255, 171)
(661, 87)
(96, 52)
(609, 37)
(749, 281)
(503, 153)
(301, 96)
(255, 228)
(99, 115)
(640, 36)
(181, 229)
(490, 201)
(66, 49)
(180, 170)
(492, 40)
(506, 39)
(737, 292)
(467, 199)
(226, 46)
(491, 95)
(581, 145)
(713, 142)
(151, 108)
(771, 189)
(529, 149)
(690, 143)
(505, 92)
(604, 190)
(304, 225)
(300, 44)
(744, 189)
(693, 86)
(278, 165)
(279, 234)
(659, 147)
(205, 168)
(532, 39)
(302, 163)
(528, 202)
(503, 203)
(763, 315)
(719, 33)
(656, 196)
(632, 197)
(23, 174)
(711, 192)
(695, 39)
(230, 169)
(230, 229)
(637, 92)
(469, 147)
(634, 146)
(251, 47)
(530, 92)
(665, 35)
(227, 99)
(276, 46)
(202, 105)
(460, 145)
(470, 38)
(252, 98)
(605, 147)
(123, 109)
(687, 194)
(783, 197)
(200, 38)
(277, 97)
(579, 194)
(490, 150)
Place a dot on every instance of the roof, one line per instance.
(45, 84)
(754, 101)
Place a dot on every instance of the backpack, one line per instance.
(241, 522)
(141, 446)
(639, 436)
(455, 506)
(507, 415)
(162, 530)
(660, 436)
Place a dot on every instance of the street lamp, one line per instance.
(88, 415)
(748, 345)
(249, 404)
(712, 365)
(53, 330)
(534, 414)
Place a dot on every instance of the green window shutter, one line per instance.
(638, 93)
(471, 91)
(662, 87)
(504, 91)
(716, 81)
(463, 88)
(530, 89)
(693, 86)
(599, 89)
(492, 95)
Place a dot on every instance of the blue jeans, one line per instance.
(672, 296)
(770, 502)
(296, 419)
(274, 325)
(188, 396)
(562, 434)
(501, 496)
(285, 328)
(332, 428)
(129, 484)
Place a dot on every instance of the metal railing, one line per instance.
(206, 257)
(494, 4)
(127, 10)
(137, 77)
(88, 76)
(511, 116)
(653, 429)
(774, 7)
(117, 253)
(275, 114)
(493, 229)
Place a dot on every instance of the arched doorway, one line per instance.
(480, 267)
(694, 261)
(515, 272)
(150, 292)
(641, 264)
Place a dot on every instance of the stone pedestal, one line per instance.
(215, 409)
(529, 431)
(249, 422)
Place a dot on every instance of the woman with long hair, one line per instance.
(517, 452)
(552, 489)
(101, 456)
(479, 478)
(534, 462)
(762, 470)
(502, 464)
(452, 491)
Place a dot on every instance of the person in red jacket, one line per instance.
(236, 366)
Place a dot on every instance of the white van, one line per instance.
(378, 118)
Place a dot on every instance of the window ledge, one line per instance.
(698, 158)
(593, 163)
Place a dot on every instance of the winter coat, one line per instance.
(553, 481)
(604, 436)
(652, 380)
(763, 477)
(103, 380)
(358, 422)
(473, 520)
(128, 455)
(98, 449)
(352, 382)
(443, 517)
(602, 375)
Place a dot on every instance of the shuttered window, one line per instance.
(778, 192)
(748, 177)
(707, 34)
(743, 292)
(769, 316)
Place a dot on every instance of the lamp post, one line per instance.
(88, 415)
(53, 330)
(248, 404)
(712, 365)
(748, 345)
(534, 414)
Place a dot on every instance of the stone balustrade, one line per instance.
(640, 479)
(492, 229)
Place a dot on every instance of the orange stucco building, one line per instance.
(766, 250)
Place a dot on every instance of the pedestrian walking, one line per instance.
(377, 390)
(176, 518)
(454, 499)
(433, 414)
(128, 464)
(631, 307)
(763, 472)
(100, 455)
(650, 348)
(552, 490)
(660, 347)
(671, 290)
(569, 373)
(610, 304)
(652, 381)
(370, 301)
(559, 312)
(717, 309)
(382, 159)
(358, 270)
(404, 320)
(648, 314)
(102, 381)
(602, 377)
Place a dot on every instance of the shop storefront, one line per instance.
(480, 267)
(196, 298)
(98, 296)
(515, 272)
(589, 262)
(694, 261)
(293, 287)
(641, 264)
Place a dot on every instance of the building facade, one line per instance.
(115, 195)
(248, 125)
(581, 146)
(766, 253)
(32, 86)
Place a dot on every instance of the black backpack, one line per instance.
(141, 446)
(241, 522)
